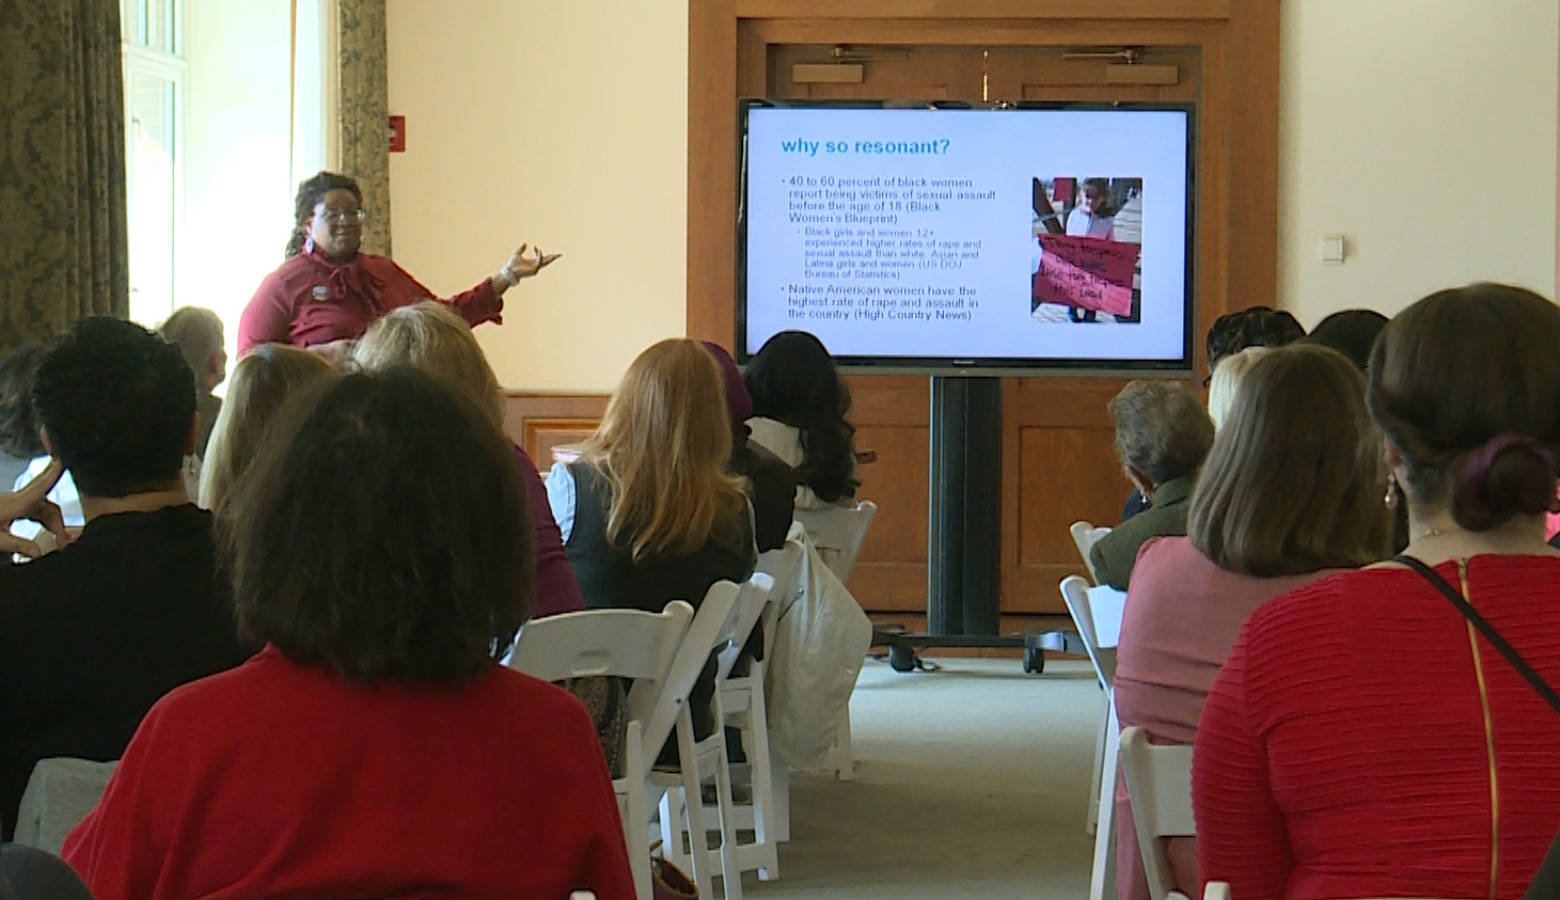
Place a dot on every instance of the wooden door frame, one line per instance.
(1237, 172)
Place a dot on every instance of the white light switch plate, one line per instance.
(1332, 249)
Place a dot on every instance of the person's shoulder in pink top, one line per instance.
(1183, 614)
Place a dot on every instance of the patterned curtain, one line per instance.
(364, 109)
(63, 235)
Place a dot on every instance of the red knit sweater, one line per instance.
(1357, 745)
(281, 781)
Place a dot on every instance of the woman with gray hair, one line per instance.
(198, 334)
(1162, 434)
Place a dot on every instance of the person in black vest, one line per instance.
(92, 635)
(649, 514)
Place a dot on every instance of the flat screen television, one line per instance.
(955, 238)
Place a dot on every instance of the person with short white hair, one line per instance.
(198, 334)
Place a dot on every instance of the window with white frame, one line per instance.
(154, 72)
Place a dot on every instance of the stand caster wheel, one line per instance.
(901, 658)
(1034, 660)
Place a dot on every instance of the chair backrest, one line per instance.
(710, 628)
(842, 529)
(626, 643)
(784, 565)
(59, 794)
(1075, 593)
(756, 594)
(1159, 784)
(1085, 535)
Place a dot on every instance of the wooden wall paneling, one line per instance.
(1251, 76)
(891, 415)
(1058, 462)
(539, 422)
(1215, 228)
(712, 170)
(988, 9)
(1058, 466)
(984, 33)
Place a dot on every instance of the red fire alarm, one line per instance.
(397, 134)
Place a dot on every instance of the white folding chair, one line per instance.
(1075, 593)
(1220, 890)
(626, 644)
(1101, 816)
(699, 761)
(742, 704)
(784, 566)
(59, 794)
(1085, 535)
(1159, 785)
(838, 533)
(742, 697)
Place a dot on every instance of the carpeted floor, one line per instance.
(970, 782)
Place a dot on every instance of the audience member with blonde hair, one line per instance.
(649, 513)
(1290, 492)
(262, 381)
(1366, 738)
(430, 336)
(1226, 378)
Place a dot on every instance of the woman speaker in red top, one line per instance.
(328, 291)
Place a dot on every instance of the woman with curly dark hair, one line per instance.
(381, 553)
(799, 407)
(327, 292)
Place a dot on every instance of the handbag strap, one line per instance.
(1481, 623)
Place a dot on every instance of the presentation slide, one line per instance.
(968, 237)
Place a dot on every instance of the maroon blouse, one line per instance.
(311, 300)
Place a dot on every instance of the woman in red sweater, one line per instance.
(327, 292)
(1364, 740)
(381, 551)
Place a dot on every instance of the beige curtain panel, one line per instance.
(63, 241)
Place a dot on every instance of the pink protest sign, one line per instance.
(1085, 272)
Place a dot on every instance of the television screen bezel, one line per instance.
(1026, 366)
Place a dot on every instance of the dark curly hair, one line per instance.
(382, 532)
(311, 191)
(18, 423)
(1255, 326)
(118, 403)
(1465, 384)
(793, 380)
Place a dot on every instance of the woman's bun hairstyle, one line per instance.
(1511, 475)
(1466, 385)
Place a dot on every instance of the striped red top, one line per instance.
(1356, 744)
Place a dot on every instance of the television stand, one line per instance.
(963, 604)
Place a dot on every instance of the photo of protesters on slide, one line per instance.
(1085, 266)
